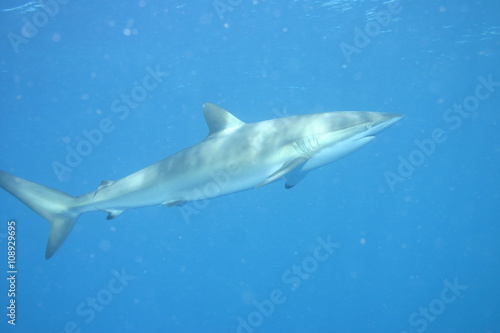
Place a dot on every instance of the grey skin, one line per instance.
(235, 156)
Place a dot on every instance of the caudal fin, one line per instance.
(56, 207)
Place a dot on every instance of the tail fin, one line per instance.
(55, 206)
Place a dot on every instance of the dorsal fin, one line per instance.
(219, 119)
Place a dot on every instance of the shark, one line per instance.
(235, 156)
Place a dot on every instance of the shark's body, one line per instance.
(234, 157)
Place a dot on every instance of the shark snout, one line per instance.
(387, 119)
(381, 121)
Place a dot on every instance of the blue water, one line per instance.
(401, 236)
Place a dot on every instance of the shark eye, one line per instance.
(368, 125)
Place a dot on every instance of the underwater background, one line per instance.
(408, 226)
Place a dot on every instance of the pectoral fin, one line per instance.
(294, 177)
(178, 203)
(285, 168)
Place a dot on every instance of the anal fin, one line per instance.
(113, 213)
